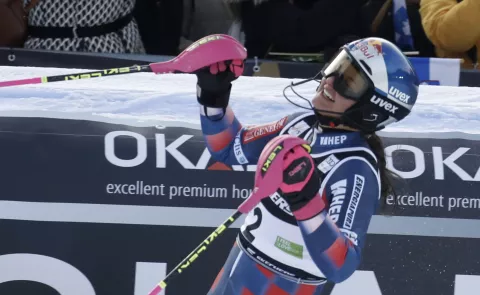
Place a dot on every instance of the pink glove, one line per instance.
(301, 184)
(235, 66)
(277, 155)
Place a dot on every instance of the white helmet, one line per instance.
(386, 84)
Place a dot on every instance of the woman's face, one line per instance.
(328, 99)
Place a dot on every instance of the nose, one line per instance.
(330, 80)
(324, 81)
(320, 85)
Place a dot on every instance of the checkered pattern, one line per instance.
(84, 13)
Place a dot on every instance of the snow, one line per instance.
(148, 99)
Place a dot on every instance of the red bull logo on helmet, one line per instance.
(377, 46)
(370, 48)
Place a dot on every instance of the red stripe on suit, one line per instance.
(337, 252)
(219, 141)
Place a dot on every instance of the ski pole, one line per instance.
(208, 50)
(268, 178)
(185, 263)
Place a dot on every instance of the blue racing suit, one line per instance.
(274, 253)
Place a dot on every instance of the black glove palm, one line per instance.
(214, 83)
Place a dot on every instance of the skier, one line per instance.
(366, 86)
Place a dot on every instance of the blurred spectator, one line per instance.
(105, 26)
(160, 24)
(297, 27)
(169, 26)
(210, 17)
(454, 28)
(13, 22)
(380, 20)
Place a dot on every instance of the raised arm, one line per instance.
(227, 140)
(451, 25)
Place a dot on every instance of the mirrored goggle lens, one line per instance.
(350, 81)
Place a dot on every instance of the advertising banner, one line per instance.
(96, 208)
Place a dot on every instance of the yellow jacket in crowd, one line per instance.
(452, 27)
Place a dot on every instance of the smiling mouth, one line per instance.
(325, 93)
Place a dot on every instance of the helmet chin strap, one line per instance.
(332, 122)
(327, 121)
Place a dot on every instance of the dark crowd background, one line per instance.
(299, 30)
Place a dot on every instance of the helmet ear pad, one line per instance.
(365, 116)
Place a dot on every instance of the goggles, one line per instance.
(349, 79)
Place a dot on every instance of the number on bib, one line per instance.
(247, 232)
